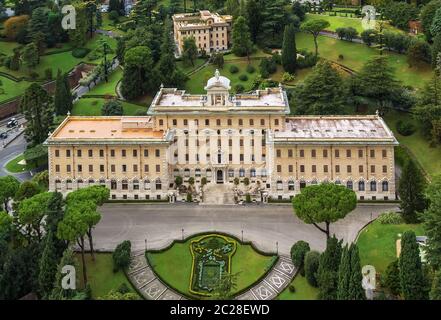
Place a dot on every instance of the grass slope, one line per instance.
(304, 291)
(92, 107)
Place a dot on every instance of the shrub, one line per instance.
(191, 180)
(80, 52)
(112, 108)
(341, 57)
(267, 67)
(246, 181)
(292, 289)
(94, 55)
(114, 16)
(405, 128)
(48, 74)
(250, 68)
(234, 69)
(390, 218)
(239, 88)
(189, 197)
(298, 252)
(248, 198)
(178, 181)
(288, 77)
(369, 36)
(123, 288)
(236, 181)
(308, 61)
(121, 256)
(203, 181)
(243, 77)
(311, 267)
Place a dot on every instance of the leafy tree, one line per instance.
(37, 107)
(217, 59)
(78, 36)
(391, 280)
(63, 95)
(327, 274)
(14, 25)
(344, 274)
(112, 107)
(5, 223)
(314, 27)
(121, 256)
(42, 180)
(8, 187)
(31, 212)
(411, 191)
(400, 13)
(299, 10)
(435, 293)
(274, 18)
(418, 52)
(242, 45)
(298, 252)
(326, 202)
(432, 226)
(323, 92)
(436, 49)
(27, 189)
(189, 51)
(411, 273)
(355, 289)
(435, 28)
(254, 17)
(232, 7)
(30, 55)
(312, 261)
(427, 14)
(47, 266)
(289, 50)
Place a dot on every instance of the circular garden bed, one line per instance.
(194, 266)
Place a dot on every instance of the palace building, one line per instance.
(211, 31)
(219, 137)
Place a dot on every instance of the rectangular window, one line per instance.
(57, 153)
(240, 122)
(290, 168)
(302, 168)
(372, 169)
(348, 153)
(289, 153)
(384, 169)
(124, 168)
(302, 153)
(157, 153)
(384, 153)
(349, 169)
(101, 153)
(146, 168)
(57, 168)
(101, 168)
(314, 168)
(80, 168)
(278, 153)
(337, 153)
(251, 122)
(158, 168)
(241, 157)
(207, 122)
(325, 153)
(325, 168)
(79, 153)
(135, 168)
(229, 122)
(68, 168)
(360, 169)
(360, 153)
(337, 169)
(112, 153)
(276, 122)
(90, 167)
(372, 153)
(313, 153)
(67, 153)
(123, 152)
(112, 168)
(279, 168)
(262, 122)
(218, 122)
(135, 153)
(90, 153)
(146, 152)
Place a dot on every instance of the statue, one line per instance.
(217, 74)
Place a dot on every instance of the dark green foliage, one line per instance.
(432, 224)
(369, 36)
(312, 260)
(80, 52)
(254, 18)
(243, 77)
(405, 128)
(58, 293)
(250, 68)
(427, 15)
(242, 44)
(298, 252)
(411, 191)
(435, 292)
(391, 279)
(344, 275)
(355, 290)
(112, 108)
(190, 51)
(234, 69)
(8, 187)
(328, 269)
(411, 273)
(347, 33)
(121, 256)
(419, 52)
(63, 95)
(436, 49)
(238, 88)
(289, 50)
(47, 266)
(322, 93)
(400, 13)
(218, 60)
(27, 189)
(267, 67)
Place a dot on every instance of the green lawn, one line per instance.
(108, 88)
(13, 166)
(189, 68)
(377, 243)
(428, 157)
(343, 22)
(7, 47)
(100, 275)
(303, 290)
(12, 88)
(174, 265)
(92, 107)
(198, 80)
(355, 55)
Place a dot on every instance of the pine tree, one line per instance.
(47, 266)
(432, 224)
(328, 269)
(58, 293)
(435, 293)
(436, 49)
(411, 191)
(411, 272)
(37, 107)
(60, 96)
(391, 279)
(242, 45)
(30, 55)
(355, 290)
(344, 275)
(254, 17)
(289, 50)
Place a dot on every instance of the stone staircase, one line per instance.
(218, 194)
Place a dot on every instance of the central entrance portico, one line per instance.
(220, 176)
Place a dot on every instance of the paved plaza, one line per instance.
(270, 227)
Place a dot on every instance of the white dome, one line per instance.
(217, 81)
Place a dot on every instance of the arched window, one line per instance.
(208, 173)
(337, 182)
(373, 185)
(176, 172)
(80, 183)
(350, 185)
(102, 182)
(302, 184)
(197, 172)
(113, 185)
(186, 172)
(57, 184)
(125, 185)
(147, 184)
(385, 186)
(360, 185)
(252, 173)
(231, 173)
(158, 184)
(135, 184)
(314, 181)
(279, 185)
(263, 172)
(91, 181)
(291, 185)
(242, 172)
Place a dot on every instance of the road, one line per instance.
(263, 224)
(8, 153)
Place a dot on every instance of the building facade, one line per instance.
(223, 137)
(211, 31)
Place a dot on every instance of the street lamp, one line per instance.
(277, 247)
(145, 244)
(242, 235)
(182, 230)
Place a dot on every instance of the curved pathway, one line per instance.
(143, 277)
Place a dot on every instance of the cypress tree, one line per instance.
(435, 293)
(344, 275)
(391, 279)
(411, 191)
(289, 50)
(60, 96)
(355, 290)
(436, 49)
(411, 272)
(242, 45)
(68, 96)
(328, 269)
(47, 266)
(312, 261)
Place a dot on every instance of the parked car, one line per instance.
(3, 135)
(12, 123)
